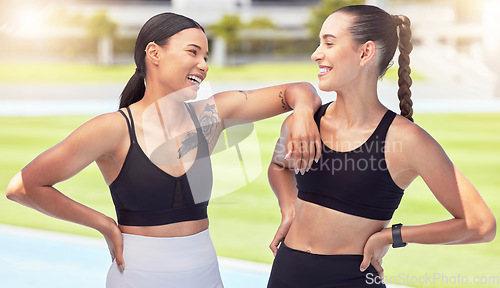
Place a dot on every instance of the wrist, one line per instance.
(385, 236)
(288, 213)
(304, 109)
(106, 225)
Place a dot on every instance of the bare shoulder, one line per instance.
(111, 124)
(415, 144)
(405, 131)
(107, 130)
(410, 151)
(111, 118)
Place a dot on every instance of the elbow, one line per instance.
(484, 230)
(271, 170)
(309, 87)
(15, 190)
(300, 85)
(305, 85)
(488, 230)
(274, 174)
(305, 88)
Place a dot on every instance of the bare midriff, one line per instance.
(320, 230)
(179, 229)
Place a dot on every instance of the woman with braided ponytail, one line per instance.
(334, 230)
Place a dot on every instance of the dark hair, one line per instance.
(374, 24)
(158, 29)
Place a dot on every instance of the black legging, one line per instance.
(298, 269)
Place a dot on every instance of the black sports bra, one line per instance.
(356, 182)
(145, 195)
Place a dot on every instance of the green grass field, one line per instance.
(244, 222)
(87, 73)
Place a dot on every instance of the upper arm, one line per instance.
(450, 187)
(86, 144)
(210, 120)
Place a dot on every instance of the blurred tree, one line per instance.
(321, 11)
(261, 23)
(225, 38)
(99, 25)
(101, 28)
(258, 26)
(227, 28)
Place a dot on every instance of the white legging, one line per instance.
(154, 262)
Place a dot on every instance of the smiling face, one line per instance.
(338, 57)
(183, 61)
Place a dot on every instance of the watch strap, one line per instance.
(397, 240)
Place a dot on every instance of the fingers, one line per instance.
(377, 265)
(306, 147)
(275, 243)
(112, 254)
(274, 246)
(304, 153)
(366, 262)
(289, 148)
(278, 237)
(118, 244)
(298, 157)
(295, 151)
(319, 147)
(311, 155)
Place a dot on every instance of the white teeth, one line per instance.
(194, 79)
(324, 70)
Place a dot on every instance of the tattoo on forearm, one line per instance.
(209, 121)
(246, 93)
(283, 103)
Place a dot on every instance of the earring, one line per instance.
(146, 50)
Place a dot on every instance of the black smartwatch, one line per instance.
(397, 240)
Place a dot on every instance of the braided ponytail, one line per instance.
(404, 78)
(374, 24)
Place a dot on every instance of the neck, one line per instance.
(169, 108)
(358, 103)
